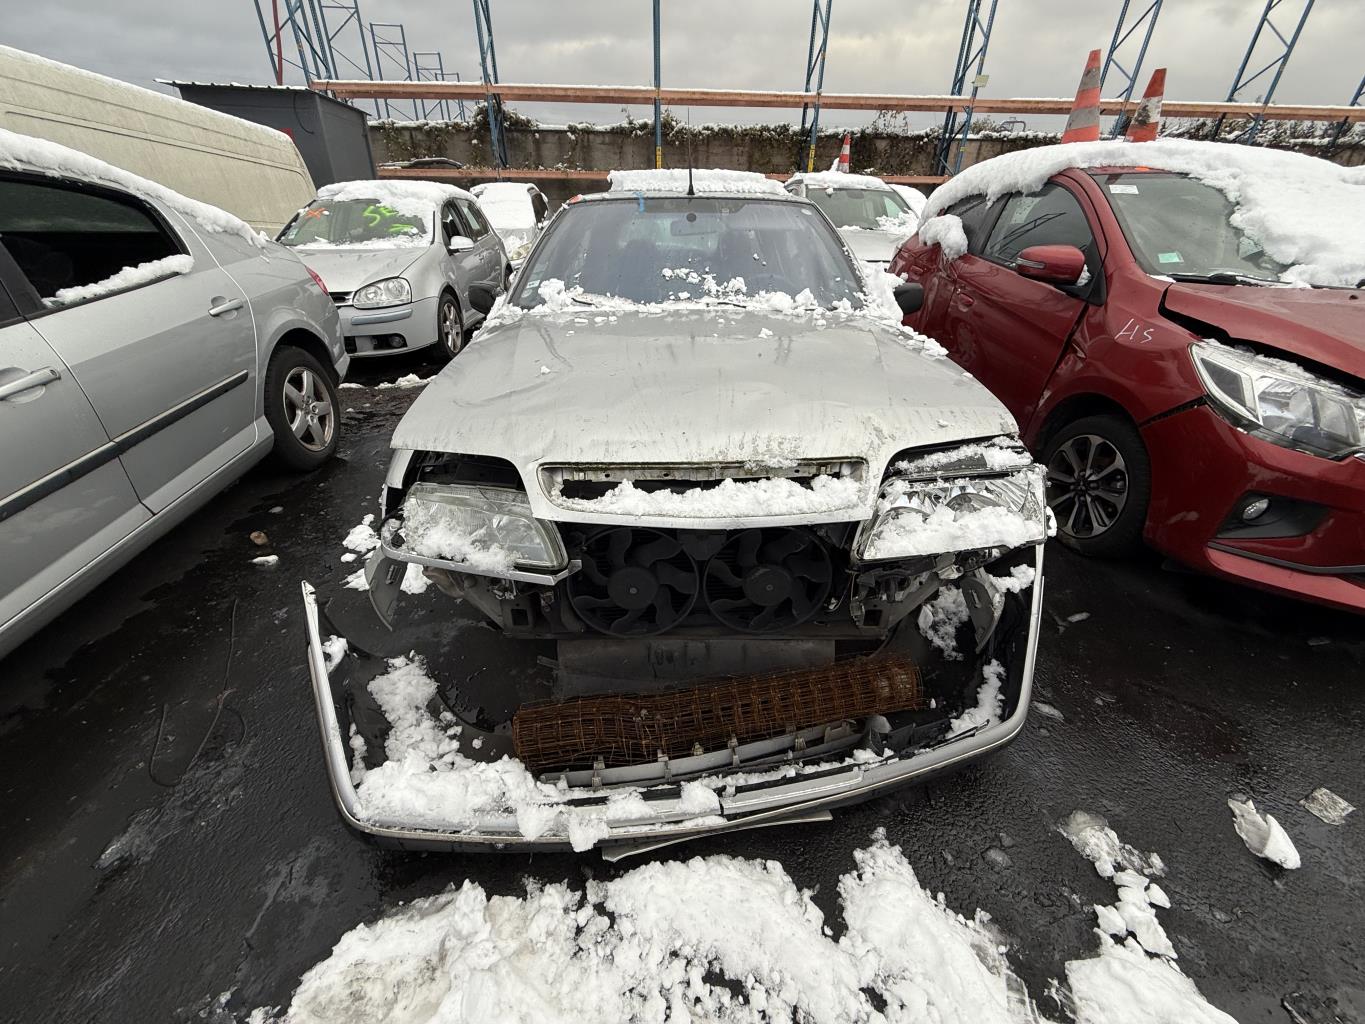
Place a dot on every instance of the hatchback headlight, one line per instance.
(518, 251)
(1281, 401)
(489, 528)
(938, 516)
(389, 292)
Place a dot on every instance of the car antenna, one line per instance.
(690, 190)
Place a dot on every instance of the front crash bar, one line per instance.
(788, 800)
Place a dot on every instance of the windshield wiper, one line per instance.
(1222, 277)
(581, 301)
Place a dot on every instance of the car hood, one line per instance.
(874, 246)
(693, 386)
(1326, 325)
(344, 270)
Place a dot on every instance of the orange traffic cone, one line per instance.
(1146, 120)
(1084, 123)
(843, 153)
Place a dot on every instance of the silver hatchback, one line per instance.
(410, 264)
(152, 348)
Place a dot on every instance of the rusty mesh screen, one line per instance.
(625, 729)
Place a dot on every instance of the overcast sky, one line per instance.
(894, 46)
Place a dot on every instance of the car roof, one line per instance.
(767, 197)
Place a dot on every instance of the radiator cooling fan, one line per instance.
(634, 582)
(764, 580)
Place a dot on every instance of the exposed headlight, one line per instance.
(1280, 401)
(489, 528)
(518, 252)
(931, 517)
(388, 292)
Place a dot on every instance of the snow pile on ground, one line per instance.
(990, 702)
(1263, 835)
(410, 198)
(21, 153)
(1307, 213)
(1134, 979)
(714, 939)
(408, 380)
(703, 181)
(730, 499)
(438, 530)
(427, 781)
(946, 232)
(128, 277)
(362, 539)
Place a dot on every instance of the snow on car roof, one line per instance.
(414, 198)
(38, 156)
(703, 181)
(838, 179)
(507, 204)
(1307, 213)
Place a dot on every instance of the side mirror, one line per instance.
(459, 243)
(1055, 264)
(909, 296)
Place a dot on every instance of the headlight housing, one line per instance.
(518, 251)
(488, 528)
(389, 292)
(917, 517)
(1280, 401)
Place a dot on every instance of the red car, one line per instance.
(1177, 390)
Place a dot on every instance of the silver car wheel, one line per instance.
(308, 409)
(452, 331)
(1087, 484)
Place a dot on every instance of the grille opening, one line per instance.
(590, 489)
(470, 469)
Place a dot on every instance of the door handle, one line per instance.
(29, 381)
(222, 305)
(964, 301)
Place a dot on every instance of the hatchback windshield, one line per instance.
(1181, 228)
(682, 248)
(870, 209)
(356, 222)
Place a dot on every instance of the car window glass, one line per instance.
(975, 214)
(8, 311)
(473, 218)
(66, 236)
(451, 224)
(1051, 216)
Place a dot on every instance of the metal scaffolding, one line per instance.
(1124, 31)
(287, 30)
(658, 107)
(429, 66)
(976, 38)
(390, 43)
(815, 69)
(1343, 124)
(488, 65)
(1282, 48)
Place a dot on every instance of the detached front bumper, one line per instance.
(1309, 544)
(810, 793)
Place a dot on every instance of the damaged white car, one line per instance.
(789, 554)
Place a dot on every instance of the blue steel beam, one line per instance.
(1123, 31)
(976, 39)
(1343, 124)
(815, 69)
(390, 41)
(293, 19)
(488, 65)
(337, 18)
(1283, 48)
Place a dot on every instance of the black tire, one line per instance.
(451, 335)
(303, 409)
(1099, 481)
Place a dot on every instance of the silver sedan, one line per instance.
(410, 264)
(151, 349)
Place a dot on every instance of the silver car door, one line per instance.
(168, 360)
(487, 250)
(64, 498)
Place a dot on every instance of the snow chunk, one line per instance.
(410, 198)
(266, 560)
(362, 539)
(989, 701)
(940, 618)
(128, 277)
(1263, 835)
(946, 232)
(910, 534)
(1325, 804)
(730, 499)
(997, 455)
(1305, 212)
(1123, 985)
(703, 181)
(437, 530)
(21, 153)
(1094, 840)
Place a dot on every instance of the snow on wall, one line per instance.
(38, 156)
(410, 198)
(128, 277)
(674, 180)
(1305, 212)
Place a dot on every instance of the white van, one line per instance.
(247, 169)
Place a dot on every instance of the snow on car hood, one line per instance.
(683, 386)
(345, 271)
(873, 246)
(1324, 325)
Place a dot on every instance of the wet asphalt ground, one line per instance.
(167, 836)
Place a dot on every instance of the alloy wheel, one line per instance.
(452, 331)
(308, 409)
(1087, 486)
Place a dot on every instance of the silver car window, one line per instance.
(473, 218)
